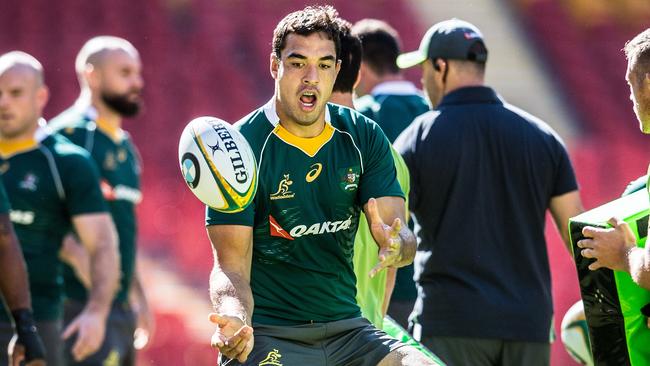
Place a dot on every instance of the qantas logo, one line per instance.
(120, 193)
(277, 230)
(314, 229)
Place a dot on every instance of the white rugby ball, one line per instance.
(575, 334)
(218, 164)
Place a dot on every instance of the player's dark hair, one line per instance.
(312, 19)
(637, 51)
(380, 43)
(350, 59)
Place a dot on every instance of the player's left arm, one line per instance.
(97, 234)
(396, 242)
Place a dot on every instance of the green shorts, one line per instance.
(344, 342)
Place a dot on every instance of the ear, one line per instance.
(338, 66)
(42, 96)
(91, 74)
(274, 65)
(439, 64)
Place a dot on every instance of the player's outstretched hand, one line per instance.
(387, 238)
(90, 327)
(610, 247)
(233, 337)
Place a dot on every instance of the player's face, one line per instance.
(639, 83)
(120, 82)
(304, 77)
(22, 99)
(432, 90)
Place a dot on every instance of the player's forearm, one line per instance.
(13, 280)
(105, 272)
(231, 294)
(638, 261)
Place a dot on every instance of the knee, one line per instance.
(406, 356)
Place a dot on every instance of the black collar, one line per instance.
(471, 95)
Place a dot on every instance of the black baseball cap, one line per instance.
(450, 39)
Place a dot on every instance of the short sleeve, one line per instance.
(565, 181)
(4, 200)
(379, 177)
(245, 217)
(80, 177)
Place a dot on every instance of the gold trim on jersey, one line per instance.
(308, 145)
(10, 148)
(114, 132)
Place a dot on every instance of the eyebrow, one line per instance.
(303, 57)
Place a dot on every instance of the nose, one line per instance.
(311, 75)
(138, 82)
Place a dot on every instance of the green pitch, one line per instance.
(618, 331)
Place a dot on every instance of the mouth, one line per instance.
(6, 116)
(308, 100)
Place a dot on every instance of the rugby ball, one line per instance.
(218, 164)
(575, 335)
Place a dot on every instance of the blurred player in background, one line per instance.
(392, 102)
(373, 293)
(615, 248)
(319, 165)
(109, 72)
(53, 187)
(14, 288)
(483, 174)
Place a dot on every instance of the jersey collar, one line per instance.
(396, 87)
(11, 148)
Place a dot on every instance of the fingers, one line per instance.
(244, 354)
(235, 346)
(18, 355)
(591, 231)
(396, 228)
(71, 329)
(217, 319)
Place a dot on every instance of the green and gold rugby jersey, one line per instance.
(120, 169)
(48, 180)
(306, 211)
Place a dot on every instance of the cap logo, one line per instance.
(471, 35)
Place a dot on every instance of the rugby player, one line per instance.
(615, 248)
(53, 187)
(283, 287)
(109, 73)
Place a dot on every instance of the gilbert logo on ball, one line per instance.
(218, 164)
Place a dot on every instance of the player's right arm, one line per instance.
(15, 289)
(564, 207)
(230, 290)
(97, 234)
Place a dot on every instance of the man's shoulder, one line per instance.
(64, 151)
(366, 105)
(71, 118)
(255, 127)
(537, 125)
(349, 120)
